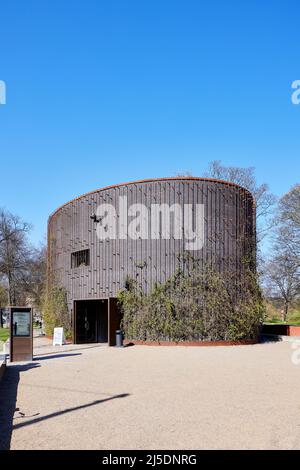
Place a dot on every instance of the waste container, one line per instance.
(119, 338)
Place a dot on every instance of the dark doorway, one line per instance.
(90, 321)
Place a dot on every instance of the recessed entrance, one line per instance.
(96, 321)
(90, 321)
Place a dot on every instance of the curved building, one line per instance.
(137, 230)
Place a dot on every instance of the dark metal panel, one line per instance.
(114, 319)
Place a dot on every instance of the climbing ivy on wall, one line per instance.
(55, 310)
(194, 304)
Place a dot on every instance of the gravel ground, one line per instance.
(141, 397)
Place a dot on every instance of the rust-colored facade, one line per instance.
(229, 234)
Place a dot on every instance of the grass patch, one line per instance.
(274, 317)
(294, 316)
(4, 334)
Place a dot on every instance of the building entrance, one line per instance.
(91, 321)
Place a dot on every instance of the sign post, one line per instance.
(58, 337)
(21, 343)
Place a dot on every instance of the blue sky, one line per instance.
(106, 92)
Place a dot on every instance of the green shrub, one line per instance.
(55, 310)
(194, 304)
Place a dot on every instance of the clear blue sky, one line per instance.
(102, 92)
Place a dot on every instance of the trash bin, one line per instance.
(119, 338)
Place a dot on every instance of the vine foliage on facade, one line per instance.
(55, 310)
(194, 304)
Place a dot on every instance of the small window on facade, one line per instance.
(80, 258)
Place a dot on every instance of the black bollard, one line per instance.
(119, 339)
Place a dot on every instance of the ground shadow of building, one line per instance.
(8, 399)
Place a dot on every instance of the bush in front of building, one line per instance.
(55, 310)
(194, 304)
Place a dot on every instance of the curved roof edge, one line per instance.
(150, 180)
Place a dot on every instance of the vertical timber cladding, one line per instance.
(229, 231)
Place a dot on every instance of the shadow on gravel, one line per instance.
(53, 356)
(8, 399)
(68, 410)
(67, 350)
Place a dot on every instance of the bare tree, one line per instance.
(184, 173)
(282, 279)
(288, 220)
(282, 270)
(33, 279)
(245, 177)
(14, 251)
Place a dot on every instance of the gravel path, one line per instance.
(95, 397)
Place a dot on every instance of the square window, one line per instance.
(80, 258)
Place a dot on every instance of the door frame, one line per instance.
(113, 318)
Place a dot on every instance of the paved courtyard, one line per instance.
(95, 397)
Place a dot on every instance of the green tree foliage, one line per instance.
(194, 304)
